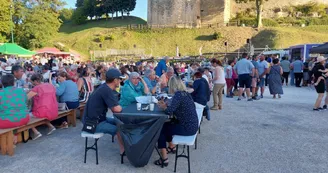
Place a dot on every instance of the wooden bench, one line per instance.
(81, 108)
(7, 135)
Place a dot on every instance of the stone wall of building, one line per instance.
(173, 13)
(270, 6)
(213, 11)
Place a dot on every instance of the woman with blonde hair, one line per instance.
(183, 107)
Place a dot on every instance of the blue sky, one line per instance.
(140, 10)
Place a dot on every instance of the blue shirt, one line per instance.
(244, 67)
(129, 92)
(67, 92)
(160, 67)
(263, 66)
(150, 84)
(297, 66)
(19, 83)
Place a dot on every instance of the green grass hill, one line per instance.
(114, 34)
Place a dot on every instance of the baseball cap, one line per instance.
(113, 73)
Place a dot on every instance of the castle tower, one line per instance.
(215, 11)
(174, 13)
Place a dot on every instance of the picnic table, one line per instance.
(140, 131)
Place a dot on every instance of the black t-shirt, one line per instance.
(99, 102)
(316, 71)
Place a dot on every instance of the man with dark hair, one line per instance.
(103, 99)
(18, 72)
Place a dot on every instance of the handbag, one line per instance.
(84, 93)
(62, 107)
(90, 126)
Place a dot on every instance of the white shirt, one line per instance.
(221, 79)
(46, 75)
(205, 77)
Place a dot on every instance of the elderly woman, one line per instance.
(134, 87)
(183, 107)
(13, 109)
(275, 82)
(150, 79)
(44, 102)
(68, 93)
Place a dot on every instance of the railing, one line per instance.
(118, 52)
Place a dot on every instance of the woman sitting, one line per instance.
(84, 85)
(183, 107)
(201, 93)
(44, 102)
(13, 108)
(134, 87)
(68, 93)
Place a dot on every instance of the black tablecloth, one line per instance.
(140, 131)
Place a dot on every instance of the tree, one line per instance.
(5, 20)
(65, 14)
(259, 9)
(79, 17)
(128, 6)
(89, 7)
(108, 7)
(79, 3)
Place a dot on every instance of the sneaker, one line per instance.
(324, 107)
(37, 136)
(261, 96)
(255, 98)
(51, 130)
(250, 100)
(238, 99)
(214, 108)
(314, 109)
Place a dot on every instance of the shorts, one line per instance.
(261, 82)
(108, 126)
(245, 81)
(254, 82)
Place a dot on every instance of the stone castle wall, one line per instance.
(194, 13)
(173, 13)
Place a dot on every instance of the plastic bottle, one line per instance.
(158, 88)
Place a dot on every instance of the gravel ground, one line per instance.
(281, 135)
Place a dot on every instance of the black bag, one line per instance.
(90, 126)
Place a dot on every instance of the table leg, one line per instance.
(10, 143)
(3, 144)
(73, 118)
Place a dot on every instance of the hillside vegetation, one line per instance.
(159, 42)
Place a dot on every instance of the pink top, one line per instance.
(45, 103)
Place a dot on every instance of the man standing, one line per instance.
(255, 77)
(262, 70)
(285, 65)
(244, 69)
(103, 99)
(297, 67)
(161, 66)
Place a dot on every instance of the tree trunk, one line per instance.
(116, 13)
(113, 16)
(122, 14)
(259, 8)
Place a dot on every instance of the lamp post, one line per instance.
(11, 25)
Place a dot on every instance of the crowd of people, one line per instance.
(108, 88)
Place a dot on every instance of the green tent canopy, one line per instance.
(14, 49)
